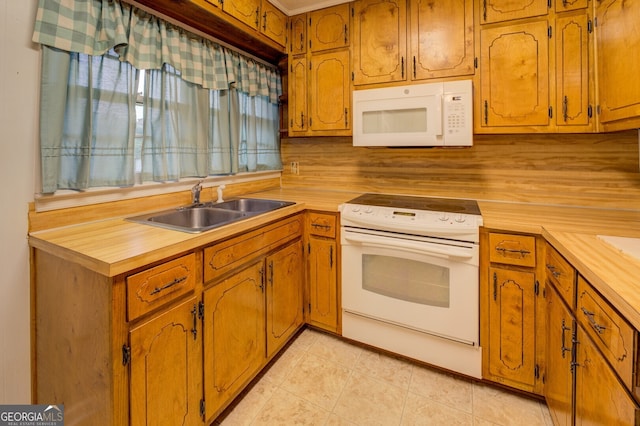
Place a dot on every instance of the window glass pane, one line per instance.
(406, 279)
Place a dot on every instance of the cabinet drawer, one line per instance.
(321, 224)
(511, 249)
(238, 251)
(609, 331)
(562, 275)
(161, 284)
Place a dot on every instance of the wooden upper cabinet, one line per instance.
(514, 77)
(573, 100)
(618, 44)
(379, 41)
(566, 5)
(298, 93)
(329, 28)
(505, 10)
(298, 34)
(441, 38)
(330, 91)
(273, 23)
(247, 11)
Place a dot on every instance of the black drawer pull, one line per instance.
(166, 286)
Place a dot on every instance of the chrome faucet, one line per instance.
(195, 193)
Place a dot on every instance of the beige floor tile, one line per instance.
(444, 388)
(305, 339)
(505, 408)
(317, 380)
(335, 420)
(247, 409)
(283, 408)
(366, 401)
(419, 410)
(335, 350)
(285, 365)
(392, 370)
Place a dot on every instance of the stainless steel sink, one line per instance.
(251, 205)
(203, 217)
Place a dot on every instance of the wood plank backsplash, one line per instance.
(597, 170)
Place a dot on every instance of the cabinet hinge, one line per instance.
(353, 76)
(550, 31)
(590, 111)
(589, 26)
(353, 12)
(475, 62)
(595, 21)
(126, 355)
(202, 408)
(549, 4)
(550, 112)
(308, 248)
(536, 288)
(495, 286)
(536, 371)
(598, 109)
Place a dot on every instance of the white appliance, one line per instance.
(410, 280)
(431, 114)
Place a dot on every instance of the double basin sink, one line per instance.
(196, 218)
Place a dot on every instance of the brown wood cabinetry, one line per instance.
(166, 367)
(412, 40)
(320, 73)
(323, 271)
(618, 37)
(172, 342)
(592, 353)
(273, 23)
(511, 311)
(246, 11)
(505, 10)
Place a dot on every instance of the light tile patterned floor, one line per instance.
(322, 380)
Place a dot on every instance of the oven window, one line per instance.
(406, 279)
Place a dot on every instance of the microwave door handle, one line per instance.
(411, 246)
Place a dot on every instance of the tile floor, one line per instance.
(322, 380)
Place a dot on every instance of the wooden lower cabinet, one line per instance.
(322, 271)
(234, 324)
(600, 397)
(558, 388)
(166, 368)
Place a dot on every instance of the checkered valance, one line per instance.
(93, 27)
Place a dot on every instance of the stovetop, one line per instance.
(458, 219)
(448, 205)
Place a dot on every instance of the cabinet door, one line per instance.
(330, 91)
(298, 35)
(441, 38)
(273, 23)
(600, 397)
(379, 41)
(573, 102)
(298, 93)
(558, 389)
(566, 5)
(166, 368)
(234, 343)
(323, 282)
(618, 40)
(247, 11)
(514, 76)
(504, 10)
(284, 295)
(512, 320)
(329, 28)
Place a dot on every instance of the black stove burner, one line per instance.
(449, 205)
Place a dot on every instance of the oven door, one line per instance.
(414, 282)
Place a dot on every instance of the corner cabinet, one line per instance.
(172, 342)
(592, 353)
(323, 262)
(320, 73)
(511, 311)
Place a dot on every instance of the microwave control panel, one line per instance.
(457, 119)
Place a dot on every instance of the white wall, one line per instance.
(19, 88)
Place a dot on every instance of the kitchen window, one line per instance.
(152, 103)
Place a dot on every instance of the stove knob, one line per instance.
(368, 210)
(443, 217)
(460, 218)
(355, 209)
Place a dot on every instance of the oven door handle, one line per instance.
(406, 245)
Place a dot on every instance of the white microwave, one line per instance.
(431, 114)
